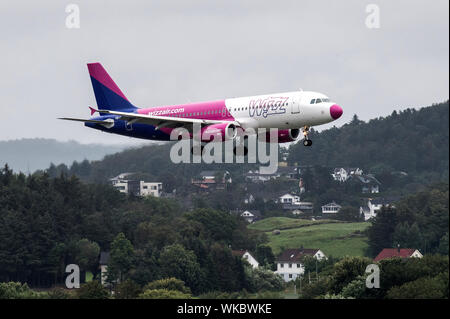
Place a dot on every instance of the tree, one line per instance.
(443, 245)
(407, 236)
(169, 284)
(422, 288)
(347, 270)
(127, 289)
(265, 256)
(260, 279)
(381, 231)
(87, 254)
(92, 290)
(121, 259)
(176, 261)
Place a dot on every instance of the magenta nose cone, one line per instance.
(336, 111)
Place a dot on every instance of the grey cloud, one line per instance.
(168, 52)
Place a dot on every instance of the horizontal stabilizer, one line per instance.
(107, 123)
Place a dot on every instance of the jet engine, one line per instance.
(285, 136)
(219, 132)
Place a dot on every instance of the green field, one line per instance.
(269, 224)
(336, 239)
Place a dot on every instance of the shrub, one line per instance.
(92, 290)
(169, 284)
(163, 294)
(17, 290)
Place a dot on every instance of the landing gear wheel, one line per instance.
(306, 140)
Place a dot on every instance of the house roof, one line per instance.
(121, 176)
(394, 252)
(295, 255)
(104, 258)
(332, 204)
(255, 213)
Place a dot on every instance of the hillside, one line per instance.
(335, 239)
(29, 155)
(413, 141)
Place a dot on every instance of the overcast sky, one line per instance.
(170, 52)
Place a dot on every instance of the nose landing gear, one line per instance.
(306, 140)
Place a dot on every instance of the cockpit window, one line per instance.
(318, 101)
(313, 101)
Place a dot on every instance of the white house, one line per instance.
(150, 189)
(137, 188)
(251, 215)
(245, 254)
(341, 174)
(290, 262)
(331, 208)
(289, 199)
(373, 206)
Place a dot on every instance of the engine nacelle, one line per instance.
(219, 132)
(285, 136)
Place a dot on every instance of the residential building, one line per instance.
(374, 205)
(251, 215)
(150, 189)
(299, 208)
(368, 183)
(246, 255)
(331, 208)
(342, 174)
(264, 173)
(212, 180)
(290, 264)
(289, 199)
(387, 253)
(129, 186)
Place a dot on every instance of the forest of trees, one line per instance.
(65, 215)
(413, 141)
(47, 223)
(418, 221)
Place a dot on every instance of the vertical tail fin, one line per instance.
(107, 93)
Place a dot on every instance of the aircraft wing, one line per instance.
(162, 121)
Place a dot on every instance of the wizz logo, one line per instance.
(267, 106)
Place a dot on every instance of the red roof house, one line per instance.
(398, 252)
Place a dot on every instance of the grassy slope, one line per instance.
(336, 239)
(269, 224)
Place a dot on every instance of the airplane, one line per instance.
(288, 112)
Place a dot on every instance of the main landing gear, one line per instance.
(306, 140)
